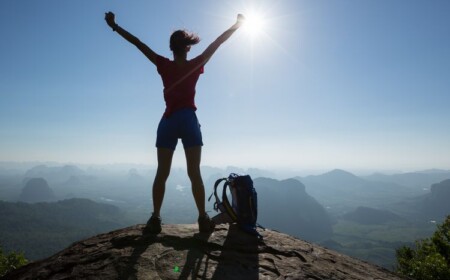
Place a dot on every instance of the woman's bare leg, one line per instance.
(159, 185)
(193, 157)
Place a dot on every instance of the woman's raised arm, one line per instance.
(149, 53)
(211, 49)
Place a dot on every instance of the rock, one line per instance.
(180, 252)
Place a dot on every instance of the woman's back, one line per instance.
(179, 80)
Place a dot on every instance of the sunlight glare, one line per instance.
(253, 24)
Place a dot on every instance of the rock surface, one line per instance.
(180, 252)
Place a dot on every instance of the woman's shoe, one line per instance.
(205, 224)
(153, 225)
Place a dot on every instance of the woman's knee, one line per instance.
(194, 174)
(162, 174)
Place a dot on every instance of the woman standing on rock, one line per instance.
(179, 77)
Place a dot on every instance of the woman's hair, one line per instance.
(180, 39)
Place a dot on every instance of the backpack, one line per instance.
(243, 209)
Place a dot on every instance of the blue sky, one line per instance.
(327, 84)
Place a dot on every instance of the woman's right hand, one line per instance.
(110, 19)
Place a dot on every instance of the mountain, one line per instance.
(135, 178)
(417, 181)
(436, 204)
(370, 216)
(285, 206)
(340, 191)
(37, 190)
(432, 206)
(73, 181)
(180, 252)
(337, 176)
(56, 175)
(41, 229)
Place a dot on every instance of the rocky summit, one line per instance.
(180, 252)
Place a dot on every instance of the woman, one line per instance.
(179, 77)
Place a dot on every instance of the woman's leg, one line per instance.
(193, 157)
(159, 185)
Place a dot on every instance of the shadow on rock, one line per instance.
(238, 258)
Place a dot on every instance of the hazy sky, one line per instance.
(327, 84)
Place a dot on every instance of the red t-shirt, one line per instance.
(179, 82)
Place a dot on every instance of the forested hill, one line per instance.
(42, 229)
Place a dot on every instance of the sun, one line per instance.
(254, 24)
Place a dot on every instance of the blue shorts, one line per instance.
(180, 124)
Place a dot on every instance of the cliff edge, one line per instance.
(180, 252)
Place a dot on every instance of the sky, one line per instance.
(350, 84)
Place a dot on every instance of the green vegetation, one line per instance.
(376, 243)
(388, 232)
(430, 259)
(11, 261)
(42, 229)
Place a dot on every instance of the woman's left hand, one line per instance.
(240, 19)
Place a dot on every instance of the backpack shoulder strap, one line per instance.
(215, 193)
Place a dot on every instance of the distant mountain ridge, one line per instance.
(417, 180)
(337, 175)
(341, 191)
(57, 174)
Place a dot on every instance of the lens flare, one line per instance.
(253, 24)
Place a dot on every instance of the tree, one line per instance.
(431, 257)
(10, 262)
